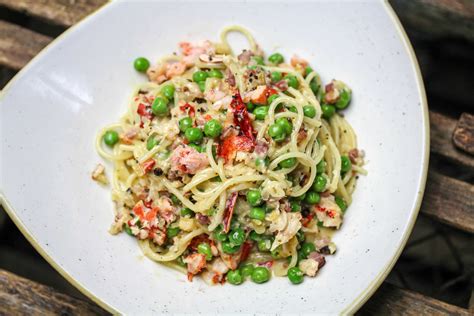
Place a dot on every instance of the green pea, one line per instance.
(255, 236)
(168, 91)
(300, 198)
(312, 197)
(237, 236)
(219, 234)
(250, 106)
(346, 164)
(257, 213)
(197, 147)
(174, 198)
(295, 206)
(309, 111)
(343, 100)
(202, 86)
(111, 138)
(205, 249)
(186, 212)
(328, 110)
(215, 73)
(319, 183)
(246, 270)
(229, 248)
(293, 109)
(285, 124)
(185, 123)
(262, 161)
(307, 248)
(264, 244)
(234, 277)
(260, 275)
(272, 98)
(193, 134)
(276, 132)
(254, 197)
(200, 76)
(276, 252)
(141, 64)
(151, 142)
(321, 167)
(292, 81)
(258, 60)
(276, 58)
(288, 163)
(260, 112)
(320, 224)
(159, 106)
(213, 128)
(295, 275)
(341, 203)
(276, 76)
(314, 86)
(172, 232)
(308, 70)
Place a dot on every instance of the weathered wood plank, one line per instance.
(18, 45)
(449, 201)
(19, 296)
(390, 300)
(59, 12)
(463, 136)
(442, 128)
(437, 18)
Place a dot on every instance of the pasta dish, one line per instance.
(232, 166)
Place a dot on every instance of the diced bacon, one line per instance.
(195, 263)
(129, 135)
(319, 258)
(175, 69)
(353, 155)
(148, 165)
(186, 159)
(229, 77)
(261, 148)
(188, 107)
(298, 62)
(144, 111)
(245, 56)
(302, 134)
(282, 85)
(332, 94)
(202, 219)
(229, 211)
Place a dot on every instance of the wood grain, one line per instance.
(19, 296)
(390, 300)
(442, 128)
(58, 12)
(437, 18)
(463, 136)
(19, 45)
(449, 201)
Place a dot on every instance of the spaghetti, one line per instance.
(226, 165)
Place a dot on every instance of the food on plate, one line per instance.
(231, 166)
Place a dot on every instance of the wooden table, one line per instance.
(447, 199)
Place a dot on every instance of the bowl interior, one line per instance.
(52, 111)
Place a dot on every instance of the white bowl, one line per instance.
(52, 110)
